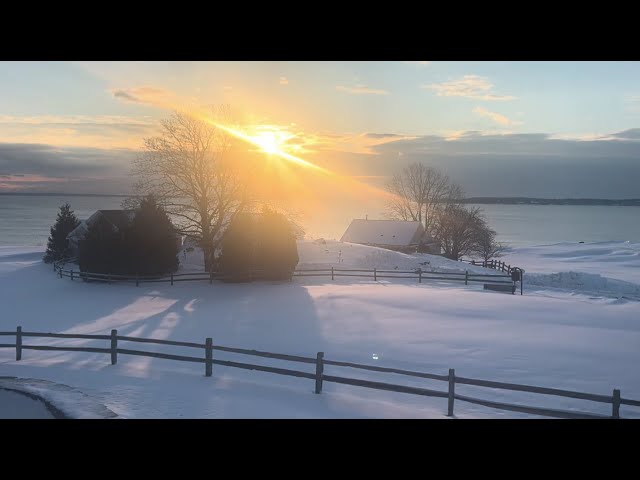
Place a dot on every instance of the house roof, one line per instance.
(116, 218)
(383, 232)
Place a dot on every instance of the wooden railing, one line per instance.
(418, 274)
(319, 376)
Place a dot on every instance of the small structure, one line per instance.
(398, 235)
(108, 221)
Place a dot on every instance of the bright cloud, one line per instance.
(496, 117)
(469, 86)
(361, 90)
(284, 81)
(418, 63)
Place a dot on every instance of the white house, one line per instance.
(391, 234)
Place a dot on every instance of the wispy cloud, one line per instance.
(361, 90)
(418, 63)
(632, 103)
(146, 95)
(284, 81)
(496, 117)
(63, 120)
(469, 86)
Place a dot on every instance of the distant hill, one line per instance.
(630, 202)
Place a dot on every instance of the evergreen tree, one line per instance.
(57, 245)
(153, 239)
(238, 249)
(277, 252)
(146, 246)
(259, 246)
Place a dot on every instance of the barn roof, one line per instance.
(383, 232)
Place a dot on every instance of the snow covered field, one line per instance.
(563, 335)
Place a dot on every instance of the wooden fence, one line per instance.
(319, 376)
(418, 274)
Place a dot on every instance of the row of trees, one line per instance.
(146, 246)
(424, 194)
(253, 246)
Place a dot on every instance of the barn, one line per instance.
(402, 236)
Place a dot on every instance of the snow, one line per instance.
(18, 405)
(553, 337)
(609, 269)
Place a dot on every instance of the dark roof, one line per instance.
(117, 218)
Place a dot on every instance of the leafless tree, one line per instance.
(186, 167)
(420, 192)
(487, 246)
(458, 229)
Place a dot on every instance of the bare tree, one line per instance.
(187, 169)
(487, 246)
(419, 193)
(458, 229)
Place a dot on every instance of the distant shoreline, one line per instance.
(34, 194)
(629, 202)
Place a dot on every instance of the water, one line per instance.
(26, 220)
(520, 225)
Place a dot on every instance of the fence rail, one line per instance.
(320, 377)
(502, 278)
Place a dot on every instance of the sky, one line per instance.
(544, 129)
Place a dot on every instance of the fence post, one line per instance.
(18, 344)
(616, 403)
(172, 279)
(466, 277)
(375, 275)
(331, 273)
(114, 347)
(473, 262)
(319, 371)
(72, 274)
(208, 352)
(452, 388)
(210, 276)
(419, 275)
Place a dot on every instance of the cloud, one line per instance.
(145, 95)
(418, 63)
(383, 135)
(632, 103)
(101, 131)
(631, 134)
(361, 90)
(74, 120)
(496, 117)
(284, 81)
(37, 167)
(469, 86)
(534, 164)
